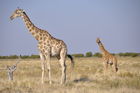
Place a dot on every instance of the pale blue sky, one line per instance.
(77, 22)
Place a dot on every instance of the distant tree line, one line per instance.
(88, 54)
(21, 56)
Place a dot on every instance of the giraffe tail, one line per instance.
(72, 60)
(116, 66)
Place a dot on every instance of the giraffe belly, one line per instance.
(54, 51)
(110, 62)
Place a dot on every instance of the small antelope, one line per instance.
(11, 69)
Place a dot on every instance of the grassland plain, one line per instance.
(87, 77)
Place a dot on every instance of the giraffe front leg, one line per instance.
(43, 71)
(42, 66)
(49, 68)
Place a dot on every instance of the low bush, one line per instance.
(78, 55)
(34, 56)
(97, 55)
(89, 54)
(129, 54)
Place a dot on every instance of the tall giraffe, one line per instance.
(108, 58)
(47, 45)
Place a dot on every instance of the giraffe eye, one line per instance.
(17, 12)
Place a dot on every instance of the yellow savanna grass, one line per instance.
(87, 77)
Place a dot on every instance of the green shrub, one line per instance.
(24, 57)
(21, 56)
(129, 54)
(3, 57)
(97, 55)
(34, 56)
(89, 54)
(134, 54)
(13, 57)
(78, 55)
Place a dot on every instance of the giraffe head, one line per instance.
(98, 40)
(17, 13)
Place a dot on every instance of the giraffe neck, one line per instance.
(102, 49)
(31, 27)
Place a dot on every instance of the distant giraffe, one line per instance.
(48, 46)
(108, 58)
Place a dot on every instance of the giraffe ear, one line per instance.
(98, 38)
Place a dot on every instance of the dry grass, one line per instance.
(87, 77)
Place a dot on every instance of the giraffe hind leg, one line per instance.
(63, 65)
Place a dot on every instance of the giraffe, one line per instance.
(48, 46)
(108, 58)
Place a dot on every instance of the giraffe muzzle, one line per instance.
(11, 18)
